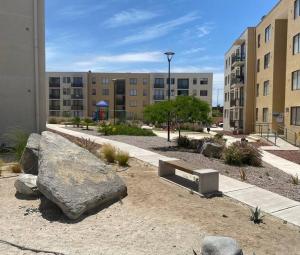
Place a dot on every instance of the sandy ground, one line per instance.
(156, 217)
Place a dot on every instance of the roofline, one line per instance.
(274, 7)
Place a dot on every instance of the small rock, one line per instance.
(26, 185)
(212, 150)
(219, 245)
(270, 178)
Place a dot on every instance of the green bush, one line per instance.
(122, 158)
(183, 141)
(53, 121)
(122, 129)
(242, 153)
(218, 136)
(76, 121)
(87, 122)
(18, 139)
(109, 153)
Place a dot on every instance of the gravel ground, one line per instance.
(266, 177)
(155, 218)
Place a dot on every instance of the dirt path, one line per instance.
(155, 218)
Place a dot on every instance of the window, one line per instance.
(265, 114)
(94, 92)
(225, 80)
(159, 83)
(257, 90)
(268, 34)
(256, 114)
(195, 81)
(104, 80)
(133, 92)
(145, 81)
(266, 88)
(296, 44)
(66, 79)
(132, 81)
(258, 65)
(204, 81)
(172, 81)
(132, 103)
(297, 9)
(226, 63)
(66, 91)
(183, 83)
(267, 61)
(67, 102)
(295, 116)
(258, 41)
(203, 93)
(93, 80)
(145, 92)
(296, 80)
(105, 92)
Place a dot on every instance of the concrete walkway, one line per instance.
(274, 204)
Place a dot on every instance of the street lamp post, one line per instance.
(169, 55)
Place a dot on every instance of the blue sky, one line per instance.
(131, 35)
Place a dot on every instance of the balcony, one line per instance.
(158, 97)
(77, 85)
(53, 96)
(238, 60)
(80, 97)
(54, 108)
(54, 84)
(237, 124)
(77, 107)
(159, 85)
(237, 102)
(237, 79)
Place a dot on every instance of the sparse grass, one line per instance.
(243, 175)
(18, 138)
(53, 121)
(16, 169)
(109, 153)
(256, 215)
(87, 144)
(122, 157)
(295, 179)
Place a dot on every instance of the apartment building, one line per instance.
(22, 66)
(189, 84)
(239, 93)
(277, 74)
(67, 94)
(128, 93)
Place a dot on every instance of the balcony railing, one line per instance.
(77, 85)
(159, 85)
(237, 79)
(51, 96)
(236, 102)
(158, 97)
(77, 96)
(77, 107)
(54, 108)
(54, 84)
(238, 59)
(236, 124)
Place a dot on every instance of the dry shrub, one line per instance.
(87, 144)
(109, 153)
(122, 157)
(16, 169)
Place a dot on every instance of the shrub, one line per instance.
(218, 136)
(183, 141)
(76, 121)
(123, 129)
(295, 179)
(87, 122)
(87, 144)
(53, 121)
(16, 169)
(256, 215)
(122, 158)
(240, 153)
(18, 139)
(109, 153)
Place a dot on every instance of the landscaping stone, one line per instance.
(74, 179)
(219, 245)
(26, 185)
(212, 150)
(29, 160)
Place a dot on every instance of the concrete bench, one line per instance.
(208, 178)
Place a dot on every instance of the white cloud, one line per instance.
(204, 30)
(129, 17)
(160, 30)
(76, 11)
(193, 50)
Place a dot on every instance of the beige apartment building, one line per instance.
(22, 66)
(67, 94)
(277, 75)
(239, 99)
(128, 93)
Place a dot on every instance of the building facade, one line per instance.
(277, 73)
(22, 66)
(67, 94)
(128, 93)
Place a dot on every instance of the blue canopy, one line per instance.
(102, 104)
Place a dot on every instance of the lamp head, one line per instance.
(169, 55)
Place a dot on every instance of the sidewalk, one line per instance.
(274, 204)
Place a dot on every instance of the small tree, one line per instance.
(76, 121)
(87, 122)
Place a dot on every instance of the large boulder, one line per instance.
(212, 150)
(74, 179)
(219, 245)
(25, 184)
(29, 160)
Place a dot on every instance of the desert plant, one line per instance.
(18, 139)
(232, 156)
(52, 121)
(243, 175)
(87, 144)
(183, 141)
(87, 122)
(295, 179)
(218, 136)
(256, 215)
(76, 121)
(16, 169)
(122, 157)
(109, 153)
